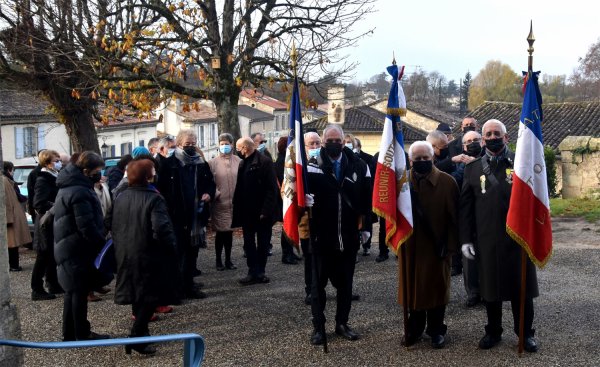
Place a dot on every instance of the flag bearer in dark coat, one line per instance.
(484, 203)
(434, 197)
(338, 181)
(187, 184)
(254, 208)
(145, 249)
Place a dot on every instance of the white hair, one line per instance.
(311, 135)
(494, 121)
(435, 136)
(417, 144)
(470, 132)
(336, 127)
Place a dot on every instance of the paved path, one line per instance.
(269, 325)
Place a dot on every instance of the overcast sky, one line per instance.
(455, 36)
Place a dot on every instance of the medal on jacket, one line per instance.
(482, 179)
(509, 174)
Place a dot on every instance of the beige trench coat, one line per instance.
(17, 228)
(224, 169)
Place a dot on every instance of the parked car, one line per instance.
(20, 176)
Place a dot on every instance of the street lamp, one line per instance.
(104, 148)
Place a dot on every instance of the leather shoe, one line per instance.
(194, 294)
(317, 338)
(230, 266)
(355, 297)
(18, 268)
(381, 258)
(263, 279)
(96, 336)
(289, 261)
(473, 301)
(308, 300)
(438, 341)
(489, 341)
(409, 340)
(455, 272)
(366, 252)
(248, 280)
(530, 345)
(345, 331)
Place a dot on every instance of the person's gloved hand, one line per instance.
(468, 251)
(364, 236)
(309, 200)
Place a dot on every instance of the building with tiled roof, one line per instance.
(366, 123)
(560, 119)
(257, 99)
(422, 116)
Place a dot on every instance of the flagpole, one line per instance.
(314, 269)
(530, 40)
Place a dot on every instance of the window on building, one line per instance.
(141, 143)
(126, 148)
(26, 142)
(213, 134)
(201, 137)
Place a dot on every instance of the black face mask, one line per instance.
(191, 151)
(443, 153)
(422, 167)
(466, 129)
(333, 149)
(239, 154)
(95, 178)
(495, 145)
(474, 149)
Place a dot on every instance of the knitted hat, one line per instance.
(137, 151)
(444, 127)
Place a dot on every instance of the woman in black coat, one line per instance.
(145, 249)
(78, 238)
(44, 195)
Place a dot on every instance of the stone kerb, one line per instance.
(580, 166)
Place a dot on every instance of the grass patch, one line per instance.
(586, 208)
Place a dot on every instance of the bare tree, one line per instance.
(243, 44)
(585, 81)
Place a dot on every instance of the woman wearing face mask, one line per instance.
(224, 168)
(44, 196)
(78, 238)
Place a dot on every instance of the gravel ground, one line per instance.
(269, 325)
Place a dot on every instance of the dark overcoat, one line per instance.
(45, 191)
(428, 272)
(483, 223)
(255, 192)
(78, 230)
(145, 247)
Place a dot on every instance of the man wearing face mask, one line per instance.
(441, 158)
(186, 183)
(254, 202)
(434, 196)
(261, 144)
(338, 180)
(484, 203)
(455, 146)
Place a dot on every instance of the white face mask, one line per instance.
(349, 146)
(57, 165)
(170, 152)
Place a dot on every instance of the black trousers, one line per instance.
(223, 240)
(186, 258)
(13, 257)
(143, 312)
(287, 249)
(256, 245)
(494, 315)
(471, 277)
(337, 267)
(383, 249)
(306, 253)
(75, 323)
(433, 318)
(44, 266)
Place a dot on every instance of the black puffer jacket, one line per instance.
(78, 229)
(144, 247)
(339, 205)
(45, 191)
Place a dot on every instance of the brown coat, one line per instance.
(428, 274)
(17, 229)
(224, 169)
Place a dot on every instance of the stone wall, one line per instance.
(580, 165)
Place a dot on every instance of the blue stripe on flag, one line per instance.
(531, 115)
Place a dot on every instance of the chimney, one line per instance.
(336, 109)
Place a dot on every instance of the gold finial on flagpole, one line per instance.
(294, 57)
(530, 40)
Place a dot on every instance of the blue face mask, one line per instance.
(349, 146)
(313, 153)
(170, 152)
(261, 148)
(225, 149)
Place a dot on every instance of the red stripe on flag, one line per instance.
(528, 222)
(300, 185)
(290, 223)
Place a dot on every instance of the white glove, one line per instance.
(364, 236)
(309, 200)
(468, 251)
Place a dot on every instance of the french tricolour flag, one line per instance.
(293, 187)
(528, 221)
(391, 194)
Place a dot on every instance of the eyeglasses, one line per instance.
(263, 142)
(476, 140)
